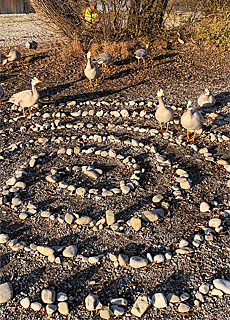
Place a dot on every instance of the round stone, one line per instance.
(138, 262)
(159, 258)
(204, 207)
(36, 306)
(25, 302)
(214, 223)
(157, 198)
(159, 300)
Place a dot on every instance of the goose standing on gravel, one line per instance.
(13, 55)
(191, 120)
(104, 59)
(92, 72)
(141, 54)
(27, 98)
(1, 93)
(163, 114)
(206, 99)
(31, 45)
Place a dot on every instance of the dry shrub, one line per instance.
(116, 49)
(73, 49)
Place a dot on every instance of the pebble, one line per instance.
(184, 250)
(125, 189)
(46, 251)
(110, 217)
(81, 191)
(105, 313)
(159, 258)
(92, 302)
(173, 298)
(48, 296)
(62, 296)
(141, 305)
(150, 216)
(70, 251)
(6, 292)
(36, 306)
(185, 296)
(204, 207)
(123, 259)
(183, 243)
(214, 223)
(91, 174)
(183, 308)
(157, 198)
(159, 300)
(135, 223)
(4, 238)
(117, 311)
(138, 262)
(119, 301)
(199, 296)
(69, 218)
(83, 220)
(25, 303)
(222, 284)
(51, 308)
(216, 292)
(63, 307)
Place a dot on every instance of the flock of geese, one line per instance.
(191, 120)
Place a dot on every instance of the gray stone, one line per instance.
(222, 284)
(48, 296)
(138, 262)
(141, 305)
(70, 251)
(6, 292)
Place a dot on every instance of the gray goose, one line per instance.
(206, 99)
(141, 54)
(191, 120)
(13, 55)
(104, 59)
(163, 114)
(27, 98)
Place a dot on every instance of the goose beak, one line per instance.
(39, 81)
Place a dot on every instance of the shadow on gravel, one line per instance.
(82, 97)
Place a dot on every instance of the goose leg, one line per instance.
(96, 84)
(0, 101)
(187, 138)
(90, 83)
(167, 129)
(31, 114)
(23, 110)
(144, 61)
(161, 130)
(193, 138)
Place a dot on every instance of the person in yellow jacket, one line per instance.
(91, 14)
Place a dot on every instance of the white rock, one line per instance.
(4, 238)
(204, 288)
(6, 292)
(48, 296)
(92, 302)
(119, 301)
(222, 284)
(63, 307)
(46, 251)
(183, 308)
(204, 207)
(173, 298)
(183, 243)
(51, 308)
(138, 262)
(25, 302)
(123, 259)
(216, 292)
(135, 223)
(141, 305)
(168, 256)
(62, 296)
(157, 198)
(117, 311)
(159, 300)
(150, 216)
(105, 313)
(36, 306)
(214, 223)
(70, 251)
(159, 258)
(185, 296)
(199, 296)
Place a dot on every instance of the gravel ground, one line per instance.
(71, 128)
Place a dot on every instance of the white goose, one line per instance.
(27, 98)
(92, 72)
(206, 99)
(163, 114)
(1, 93)
(191, 120)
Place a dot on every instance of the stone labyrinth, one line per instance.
(103, 216)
